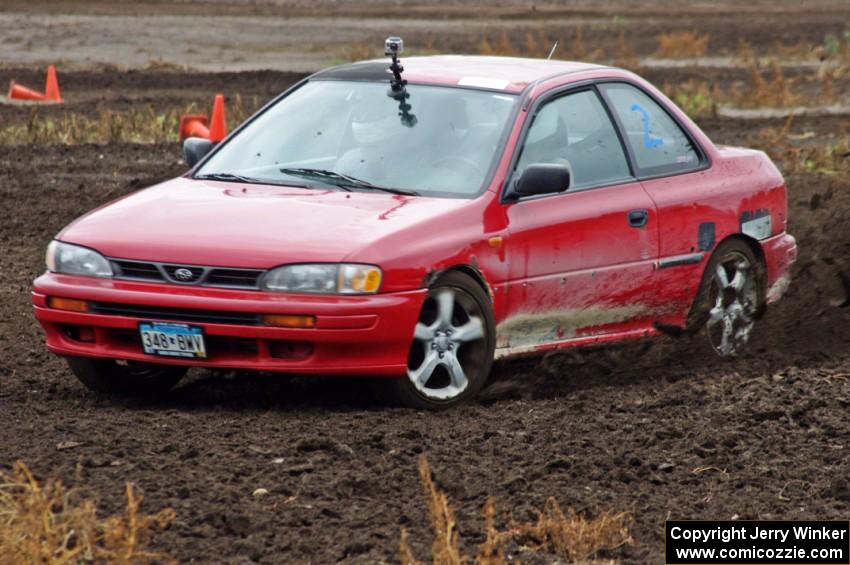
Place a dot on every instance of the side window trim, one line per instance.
(704, 162)
(618, 127)
(551, 96)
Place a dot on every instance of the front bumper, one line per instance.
(354, 335)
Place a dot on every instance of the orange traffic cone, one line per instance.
(19, 92)
(218, 127)
(197, 125)
(193, 125)
(51, 86)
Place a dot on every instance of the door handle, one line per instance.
(638, 218)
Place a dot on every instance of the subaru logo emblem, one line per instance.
(183, 274)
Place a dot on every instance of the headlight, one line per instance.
(76, 260)
(325, 278)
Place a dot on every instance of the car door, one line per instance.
(671, 166)
(580, 262)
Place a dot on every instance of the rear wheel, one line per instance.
(108, 376)
(730, 298)
(453, 345)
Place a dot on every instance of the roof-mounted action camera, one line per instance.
(392, 47)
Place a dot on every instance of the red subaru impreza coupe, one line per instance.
(418, 228)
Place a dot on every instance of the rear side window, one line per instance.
(575, 130)
(657, 142)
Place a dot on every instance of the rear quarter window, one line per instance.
(658, 143)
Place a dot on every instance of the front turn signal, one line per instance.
(289, 321)
(68, 304)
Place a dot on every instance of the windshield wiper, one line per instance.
(228, 177)
(342, 180)
(231, 177)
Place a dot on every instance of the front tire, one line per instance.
(453, 344)
(107, 376)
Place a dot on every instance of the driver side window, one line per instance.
(575, 130)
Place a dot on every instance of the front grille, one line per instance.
(174, 314)
(174, 273)
(241, 278)
(138, 270)
(168, 272)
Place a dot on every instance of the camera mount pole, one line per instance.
(397, 83)
(392, 47)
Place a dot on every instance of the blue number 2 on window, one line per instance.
(649, 140)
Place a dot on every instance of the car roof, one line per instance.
(511, 74)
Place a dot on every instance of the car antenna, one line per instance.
(393, 46)
(552, 52)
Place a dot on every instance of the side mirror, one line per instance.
(541, 178)
(194, 149)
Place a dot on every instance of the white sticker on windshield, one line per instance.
(484, 82)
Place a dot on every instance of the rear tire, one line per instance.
(108, 376)
(453, 345)
(730, 298)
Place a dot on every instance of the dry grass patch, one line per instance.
(572, 536)
(362, 51)
(567, 534)
(802, 153)
(358, 52)
(835, 47)
(682, 45)
(538, 44)
(696, 97)
(160, 65)
(446, 546)
(500, 44)
(145, 124)
(47, 523)
(826, 77)
(624, 54)
(768, 89)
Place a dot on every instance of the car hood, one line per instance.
(244, 225)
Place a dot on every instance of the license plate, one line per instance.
(172, 340)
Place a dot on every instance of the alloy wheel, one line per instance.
(449, 344)
(734, 300)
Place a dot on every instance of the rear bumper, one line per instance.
(354, 335)
(780, 252)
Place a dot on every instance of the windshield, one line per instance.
(352, 135)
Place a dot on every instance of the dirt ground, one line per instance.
(659, 429)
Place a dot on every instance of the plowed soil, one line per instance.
(660, 429)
